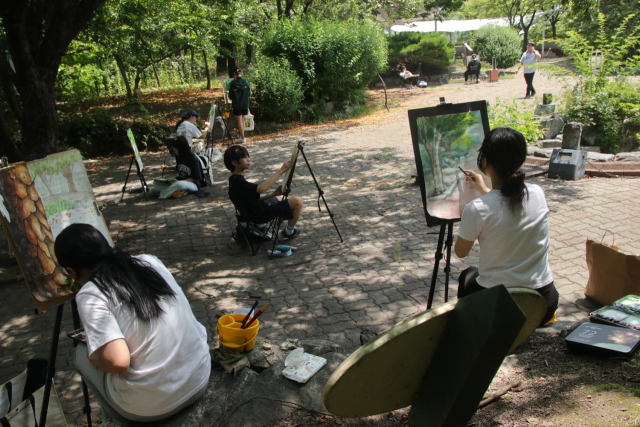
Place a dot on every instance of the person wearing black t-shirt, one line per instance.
(249, 199)
(189, 169)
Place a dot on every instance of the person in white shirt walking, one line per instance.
(529, 59)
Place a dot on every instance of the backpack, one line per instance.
(207, 172)
(219, 128)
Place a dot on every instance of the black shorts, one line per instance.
(240, 112)
(277, 208)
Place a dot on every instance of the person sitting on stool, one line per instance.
(473, 69)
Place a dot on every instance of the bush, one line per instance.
(335, 60)
(432, 50)
(276, 88)
(503, 43)
(511, 115)
(100, 134)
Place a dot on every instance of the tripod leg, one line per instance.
(124, 187)
(434, 276)
(447, 264)
(51, 367)
(320, 192)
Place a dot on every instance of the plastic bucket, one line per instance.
(232, 336)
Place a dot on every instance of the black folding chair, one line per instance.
(251, 234)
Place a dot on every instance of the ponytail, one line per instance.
(514, 189)
(180, 122)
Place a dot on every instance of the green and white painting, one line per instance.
(63, 185)
(445, 139)
(136, 153)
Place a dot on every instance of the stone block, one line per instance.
(543, 109)
(589, 136)
(572, 135)
(552, 125)
(628, 157)
(550, 143)
(599, 157)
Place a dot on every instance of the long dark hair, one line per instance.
(117, 274)
(506, 150)
(184, 151)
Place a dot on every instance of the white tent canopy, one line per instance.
(450, 26)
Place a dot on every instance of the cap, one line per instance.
(190, 113)
(531, 43)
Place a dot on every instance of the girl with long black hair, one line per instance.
(510, 222)
(146, 355)
(189, 169)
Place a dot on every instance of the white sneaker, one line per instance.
(240, 140)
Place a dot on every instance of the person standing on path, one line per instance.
(239, 93)
(529, 59)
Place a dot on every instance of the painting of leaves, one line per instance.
(136, 153)
(61, 180)
(25, 222)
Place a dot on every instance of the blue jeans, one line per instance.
(166, 189)
(96, 379)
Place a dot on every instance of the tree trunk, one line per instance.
(123, 73)
(67, 172)
(136, 82)
(8, 146)
(37, 35)
(248, 50)
(206, 70)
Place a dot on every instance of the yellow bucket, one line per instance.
(232, 336)
(226, 114)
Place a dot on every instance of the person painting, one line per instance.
(146, 356)
(186, 127)
(529, 59)
(473, 69)
(408, 77)
(189, 169)
(239, 93)
(510, 222)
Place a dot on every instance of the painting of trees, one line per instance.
(437, 135)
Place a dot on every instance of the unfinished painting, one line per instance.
(445, 143)
(136, 153)
(25, 221)
(62, 182)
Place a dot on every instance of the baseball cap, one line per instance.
(531, 43)
(190, 113)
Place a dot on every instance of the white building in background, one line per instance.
(452, 27)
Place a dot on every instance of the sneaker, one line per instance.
(240, 140)
(261, 232)
(284, 235)
(466, 83)
(177, 194)
(527, 97)
(533, 94)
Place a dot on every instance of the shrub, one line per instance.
(430, 49)
(335, 60)
(276, 88)
(514, 116)
(597, 99)
(503, 43)
(100, 134)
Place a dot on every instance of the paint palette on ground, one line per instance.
(37, 200)
(445, 138)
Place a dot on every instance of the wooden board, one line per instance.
(386, 373)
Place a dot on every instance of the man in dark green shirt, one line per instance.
(239, 93)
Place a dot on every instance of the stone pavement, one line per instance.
(327, 290)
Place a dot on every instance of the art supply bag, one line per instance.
(249, 124)
(16, 412)
(612, 275)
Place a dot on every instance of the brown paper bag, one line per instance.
(612, 275)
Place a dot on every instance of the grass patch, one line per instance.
(617, 387)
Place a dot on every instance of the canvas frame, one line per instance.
(442, 109)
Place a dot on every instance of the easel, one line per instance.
(320, 194)
(446, 228)
(51, 366)
(143, 182)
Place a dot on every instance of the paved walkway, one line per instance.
(327, 289)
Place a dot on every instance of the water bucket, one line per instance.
(232, 336)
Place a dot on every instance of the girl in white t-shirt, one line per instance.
(186, 127)
(510, 222)
(146, 355)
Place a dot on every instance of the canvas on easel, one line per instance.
(24, 220)
(288, 175)
(139, 167)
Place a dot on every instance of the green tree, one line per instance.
(37, 35)
(432, 50)
(502, 43)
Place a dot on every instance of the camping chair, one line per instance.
(252, 235)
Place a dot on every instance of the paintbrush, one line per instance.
(258, 314)
(249, 313)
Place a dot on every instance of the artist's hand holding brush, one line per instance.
(476, 181)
